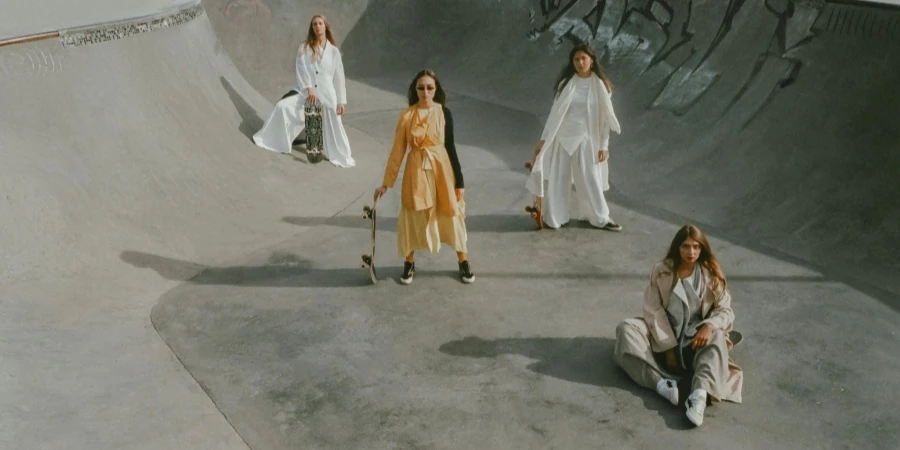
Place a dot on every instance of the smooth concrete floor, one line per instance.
(298, 350)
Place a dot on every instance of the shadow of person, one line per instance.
(168, 268)
(281, 269)
(585, 360)
(484, 223)
(284, 269)
(250, 120)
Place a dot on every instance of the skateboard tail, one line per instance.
(368, 260)
(535, 210)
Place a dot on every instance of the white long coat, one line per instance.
(325, 75)
(602, 120)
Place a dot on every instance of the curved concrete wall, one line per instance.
(767, 122)
(117, 157)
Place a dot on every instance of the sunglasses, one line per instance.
(422, 88)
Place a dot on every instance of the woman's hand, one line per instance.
(311, 95)
(671, 360)
(537, 149)
(459, 194)
(380, 191)
(702, 337)
(603, 155)
(340, 110)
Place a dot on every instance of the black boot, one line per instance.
(465, 272)
(409, 270)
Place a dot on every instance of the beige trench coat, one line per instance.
(715, 308)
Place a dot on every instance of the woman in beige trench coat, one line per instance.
(684, 330)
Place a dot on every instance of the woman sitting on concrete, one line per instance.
(685, 328)
(320, 78)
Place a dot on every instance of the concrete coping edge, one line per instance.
(116, 29)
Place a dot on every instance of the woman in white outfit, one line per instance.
(684, 330)
(574, 145)
(320, 77)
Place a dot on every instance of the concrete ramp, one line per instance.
(767, 122)
(109, 151)
(135, 207)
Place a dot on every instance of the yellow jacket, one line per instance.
(424, 138)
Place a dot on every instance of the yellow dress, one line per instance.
(430, 214)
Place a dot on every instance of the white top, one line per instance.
(575, 128)
(601, 121)
(324, 74)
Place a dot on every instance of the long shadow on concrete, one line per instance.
(585, 360)
(290, 270)
(493, 223)
(282, 269)
(250, 120)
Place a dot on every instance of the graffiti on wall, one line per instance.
(680, 44)
(572, 20)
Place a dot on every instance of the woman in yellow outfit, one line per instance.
(433, 209)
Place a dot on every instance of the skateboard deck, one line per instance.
(368, 261)
(536, 207)
(315, 142)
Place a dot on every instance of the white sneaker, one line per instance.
(668, 389)
(696, 405)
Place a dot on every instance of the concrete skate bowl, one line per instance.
(732, 119)
(118, 141)
(767, 122)
(133, 184)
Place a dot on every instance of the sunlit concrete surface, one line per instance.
(167, 284)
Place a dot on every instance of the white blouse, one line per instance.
(574, 129)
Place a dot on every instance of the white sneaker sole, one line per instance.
(406, 281)
(696, 419)
(468, 280)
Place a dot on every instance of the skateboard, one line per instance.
(315, 144)
(369, 260)
(535, 209)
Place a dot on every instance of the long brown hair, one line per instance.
(439, 95)
(707, 259)
(569, 70)
(311, 35)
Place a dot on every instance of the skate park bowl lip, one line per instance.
(42, 19)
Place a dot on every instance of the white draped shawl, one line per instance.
(602, 120)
